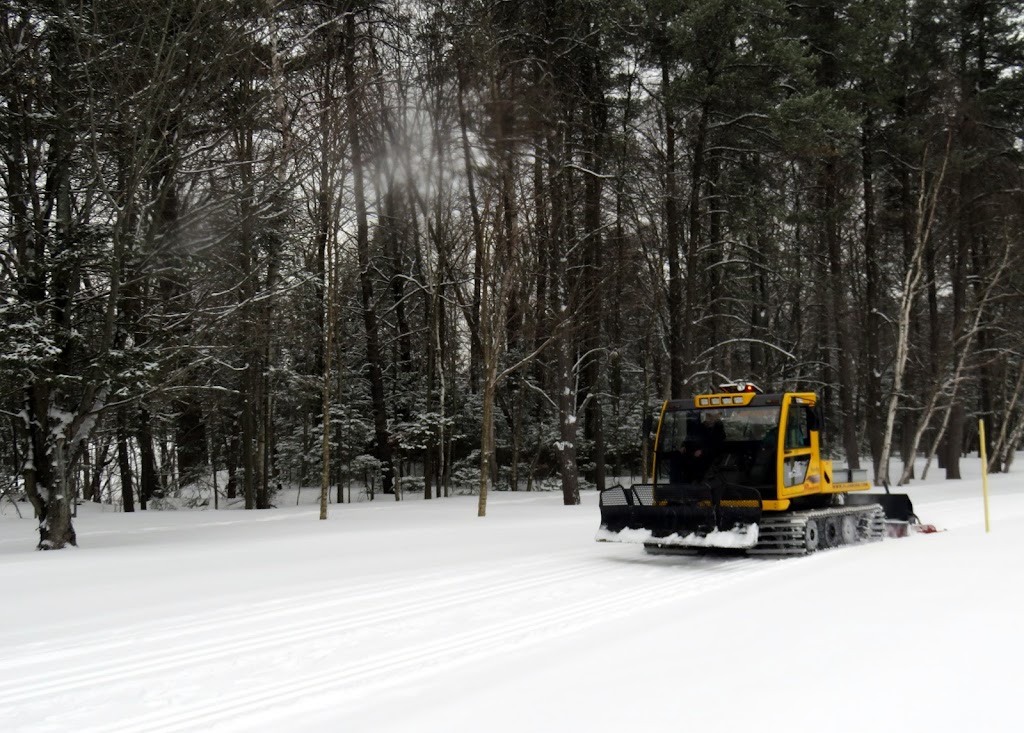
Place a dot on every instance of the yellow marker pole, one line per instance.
(984, 469)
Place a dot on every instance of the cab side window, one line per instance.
(797, 428)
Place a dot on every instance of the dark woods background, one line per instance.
(476, 241)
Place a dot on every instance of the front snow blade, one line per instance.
(628, 509)
(680, 514)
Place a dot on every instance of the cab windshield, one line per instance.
(737, 444)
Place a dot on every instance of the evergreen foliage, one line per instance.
(521, 224)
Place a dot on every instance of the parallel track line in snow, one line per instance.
(250, 638)
(391, 669)
(297, 604)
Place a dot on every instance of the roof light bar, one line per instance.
(733, 387)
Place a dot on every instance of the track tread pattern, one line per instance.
(786, 535)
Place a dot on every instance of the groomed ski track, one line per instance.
(285, 653)
(319, 620)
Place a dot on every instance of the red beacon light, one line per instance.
(738, 387)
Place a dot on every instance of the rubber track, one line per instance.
(787, 534)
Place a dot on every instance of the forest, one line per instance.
(437, 246)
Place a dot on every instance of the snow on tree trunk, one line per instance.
(567, 428)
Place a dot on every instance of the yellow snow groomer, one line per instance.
(743, 470)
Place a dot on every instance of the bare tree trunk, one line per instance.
(567, 426)
(677, 316)
(373, 353)
(955, 443)
(844, 345)
(149, 477)
(595, 315)
(124, 466)
(1008, 437)
(490, 369)
(231, 459)
(873, 289)
(911, 287)
(475, 358)
(325, 384)
(962, 351)
(94, 479)
(694, 242)
(250, 455)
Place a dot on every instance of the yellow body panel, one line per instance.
(818, 477)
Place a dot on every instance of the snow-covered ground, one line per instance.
(419, 616)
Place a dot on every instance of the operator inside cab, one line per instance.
(699, 450)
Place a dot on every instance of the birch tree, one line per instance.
(912, 281)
